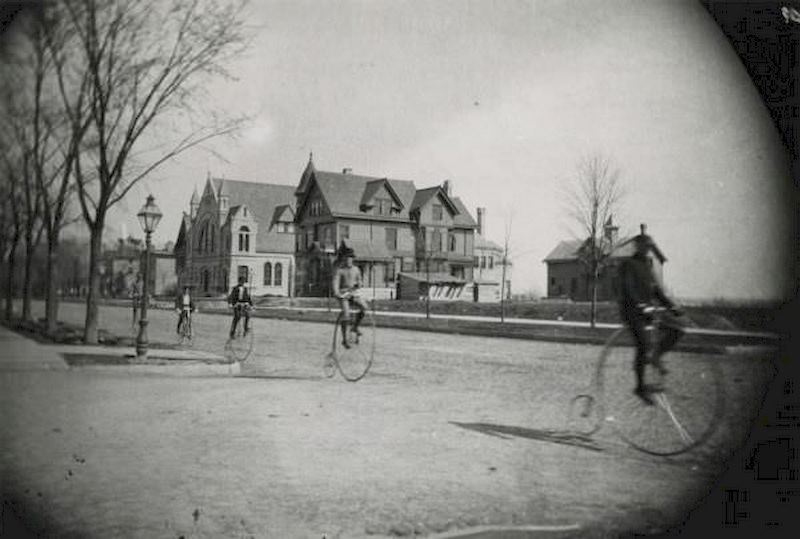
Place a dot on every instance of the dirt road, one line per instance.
(445, 432)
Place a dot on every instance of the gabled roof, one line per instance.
(423, 196)
(186, 223)
(462, 219)
(567, 251)
(343, 193)
(305, 178)
(283, 213)
(373, 186)
(261, 200)
(483, 243)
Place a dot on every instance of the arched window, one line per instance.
(278, 274)
(244, 239)
(267, 274)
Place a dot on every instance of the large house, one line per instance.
(238, 229)
(419, 241)
(569, 276)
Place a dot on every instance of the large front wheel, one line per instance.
(688, 400)
(354, 359)
(240, 346)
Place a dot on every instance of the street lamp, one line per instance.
(149, 216)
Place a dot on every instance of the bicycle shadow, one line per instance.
(507, 432)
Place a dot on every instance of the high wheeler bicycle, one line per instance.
(687, 394)
(353, 361)
(239, 347)
(185, 328)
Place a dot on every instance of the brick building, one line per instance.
(234, 229)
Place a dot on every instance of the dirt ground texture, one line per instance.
(282, 451)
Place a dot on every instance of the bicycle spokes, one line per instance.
(663, 402)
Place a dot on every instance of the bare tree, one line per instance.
(22, 143)
(594, 195)
(144, 63)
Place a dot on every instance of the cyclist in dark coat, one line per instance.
(240, 300)
(639, 290)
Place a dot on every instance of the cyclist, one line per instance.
(346, 285)
(184, 304)
(639, 289)
(240, 300)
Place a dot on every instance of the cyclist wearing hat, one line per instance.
(639, 289)
(241, 302)
(184, 304)
(346, 285)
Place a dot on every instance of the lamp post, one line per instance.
(149, 216)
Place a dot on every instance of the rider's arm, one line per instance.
(335, 285)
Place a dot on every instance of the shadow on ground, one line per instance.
(543, 435)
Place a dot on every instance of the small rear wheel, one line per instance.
(687, 401)
(583, 415)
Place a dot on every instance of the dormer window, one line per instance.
(223, 203)
(383, 206)
(315, 208)
(437, 212)
(244, 211)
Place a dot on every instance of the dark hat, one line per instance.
(345, 251)
(242, 279)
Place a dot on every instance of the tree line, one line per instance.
(95, 95)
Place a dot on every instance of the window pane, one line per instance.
(278, 274)
(267, 274)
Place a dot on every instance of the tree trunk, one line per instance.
(27, 283)
(95, 248)
(51, 300)
(594, 298)
(12, 262)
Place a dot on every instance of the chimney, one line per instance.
(643, 228)
(481, 221)
(446, 187)
(347, 170)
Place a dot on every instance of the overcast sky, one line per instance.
(503, 98)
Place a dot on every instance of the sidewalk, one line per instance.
(22, 353)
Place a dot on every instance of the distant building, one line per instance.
(394, 228)
(568, 276)
(238, 229)
(488, 262)
(119, 267)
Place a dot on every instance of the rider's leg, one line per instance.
(234, 322)
(246, 321)
(345, 305)
(362, 308)
(639, 332)
(180, 319)
(670, 335)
